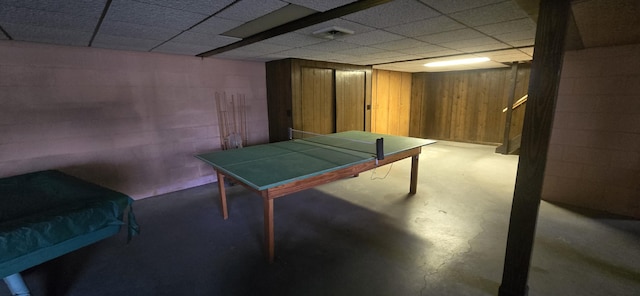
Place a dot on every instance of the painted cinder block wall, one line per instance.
(130, 121)
(594, 153)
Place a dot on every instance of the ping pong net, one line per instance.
(375, 149)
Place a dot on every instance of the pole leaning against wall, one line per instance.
(553, 18)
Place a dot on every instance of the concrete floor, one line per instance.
(358, 236)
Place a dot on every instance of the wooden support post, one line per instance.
(504, 149)
(536, 132)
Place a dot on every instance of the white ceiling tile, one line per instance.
(45, 34)
(360, 61)
(355, 27)
(425, 50)
(75, 8)
(385, 55)
(483, 48)
(235, 54)
(439, 53)
(519, 25)
(464, 44)
(264, 48)
(124, 43)
(203, 39)
(361, 51)
(521, 43)
(333, 56)
(527, 51)
(371, 37)
(507, 56)
(392, 14)
(495, 13)
(294, 40)
(321, 5)
(383, 60)
(205, 7)
(274, 56)
(301, 53)
(503, 53)
(427, 26)
(215, 25)
(400, 30)
(330, 46)
(34, 17)
(136, 31)
(247, 10)
(401, 44)
(151, 15)
(451, 36)
(181, 48)
(450, 6)
(239, 54)
(517, 37)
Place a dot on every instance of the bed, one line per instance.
(46, 214)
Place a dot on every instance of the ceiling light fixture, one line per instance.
(332, 32)
(457, 62)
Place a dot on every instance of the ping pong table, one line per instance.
(277, 169)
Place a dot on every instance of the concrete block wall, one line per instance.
(594, 154)
(131, 121)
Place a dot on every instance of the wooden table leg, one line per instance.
(414, 174)
(268, 229)
(223, 195)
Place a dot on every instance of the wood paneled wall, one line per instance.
(317, 104)
(391, 102)
(279, 103)
(350, 89)
(320, 97)
(464, 106)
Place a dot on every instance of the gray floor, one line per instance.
(358, 236)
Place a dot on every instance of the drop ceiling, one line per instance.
(398, 35)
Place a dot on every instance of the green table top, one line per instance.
(48, 213)
(270, 165)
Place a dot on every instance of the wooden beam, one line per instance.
(504, 149)
(536, 132)
(304, 22)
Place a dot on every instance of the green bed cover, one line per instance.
(46, 214)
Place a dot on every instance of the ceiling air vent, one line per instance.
(332, 32)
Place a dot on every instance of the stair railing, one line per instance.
(517, 104)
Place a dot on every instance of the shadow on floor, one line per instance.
(324, 245)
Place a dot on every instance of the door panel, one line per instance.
(316, 102)
(350, 100)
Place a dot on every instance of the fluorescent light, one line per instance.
(457, 62)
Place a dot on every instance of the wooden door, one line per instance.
(391, 100)
(350, 100)
(317, 102)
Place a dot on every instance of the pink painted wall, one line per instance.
(594, 154)
(130, 121)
